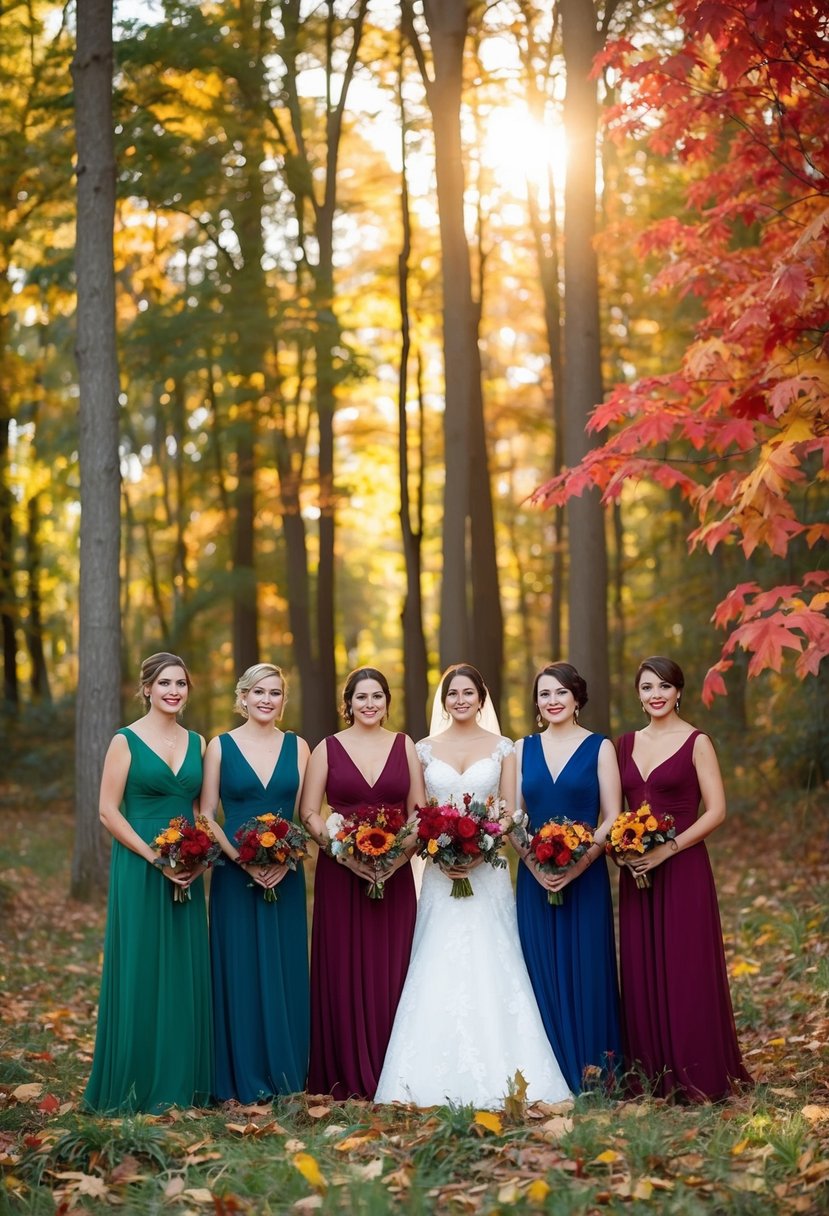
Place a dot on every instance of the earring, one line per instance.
(539, 719)
(644, 709)
(576, 715)
(677, 702)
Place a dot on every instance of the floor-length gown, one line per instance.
(676, 1006)
(570, 949)
(154, 1042)
(467, 1021)
(258, 949)
(359, 946)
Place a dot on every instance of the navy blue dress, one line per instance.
(258, 950)
(570, 949)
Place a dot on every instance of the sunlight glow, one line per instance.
(517, 149)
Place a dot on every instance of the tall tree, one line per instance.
(471, 620)
(415, 662)
(98, 696)
(582, 371)
(739, 426)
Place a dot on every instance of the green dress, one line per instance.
(154, 1043)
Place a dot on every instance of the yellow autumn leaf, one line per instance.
(489, 1120)
(775, 1042)
(607, 1157)
(642, 1190)
(27, 1092)
(738, 1148)
(743, 967)
(538, 1191)
(310, 1171)
(345, 1146)
(509, 1193)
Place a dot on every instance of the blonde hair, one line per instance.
(250, 678)
(151, 669)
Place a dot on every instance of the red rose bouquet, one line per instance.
(557, 845)
(455, 836)
(270, 840)
(375, 835)
(638, 832)
(186, 845)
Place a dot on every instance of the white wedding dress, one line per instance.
(467, 1020)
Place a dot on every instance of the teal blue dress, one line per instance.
(258, 950)
(570, 949)
(154, 1041)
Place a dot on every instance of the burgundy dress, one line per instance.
(678, 1024)
(359, 946)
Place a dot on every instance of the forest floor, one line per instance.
(764, 1152)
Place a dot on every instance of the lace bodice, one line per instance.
(481, 779)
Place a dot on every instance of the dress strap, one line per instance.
(505, 747)
(424, 752)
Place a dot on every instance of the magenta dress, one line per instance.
(677, 1020)
(359, 946)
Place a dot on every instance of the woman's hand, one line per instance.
(454, 872)
(361, 868)
(266, 876)
(653, 858)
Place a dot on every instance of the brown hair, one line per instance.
(470, 673)
(665, 669)
(353, 679)
(568, 676)
(151, 669)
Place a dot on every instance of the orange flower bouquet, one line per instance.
(557, 845)
(373, 834)
(638, 832)
(270, 840)
(186, 845)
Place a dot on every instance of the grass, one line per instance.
(758, 1154)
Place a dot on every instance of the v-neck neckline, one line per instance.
(371, 785)
(573, 753)
(175, 771)
(635, 762)
(266, 785)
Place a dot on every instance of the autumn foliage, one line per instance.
(741, 426)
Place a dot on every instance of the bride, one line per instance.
(467, 1020)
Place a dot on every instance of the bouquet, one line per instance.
(455, 836)
(186, 845)
(557, 846)
(373, 834)
(639, 832)
(270, 840)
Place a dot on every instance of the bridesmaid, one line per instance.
(566, 772)
(676, 1007)
(154, 1042)
(258, 950)
(359, 946)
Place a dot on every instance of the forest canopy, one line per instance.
(400, 291)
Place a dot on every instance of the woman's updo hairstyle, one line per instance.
(468, 672)
(151, 669)
(352, 680)
(250, 678)
(664, 669)
(568, 677)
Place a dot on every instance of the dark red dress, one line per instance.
(678, 1024)
(359, 946)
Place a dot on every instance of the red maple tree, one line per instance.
(742, 425)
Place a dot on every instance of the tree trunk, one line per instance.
(415, 661)
(470, 607)
(99, 682)
(587, 582)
